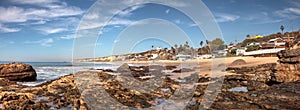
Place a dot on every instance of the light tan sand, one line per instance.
(204, 66)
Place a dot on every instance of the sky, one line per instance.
(44, 30)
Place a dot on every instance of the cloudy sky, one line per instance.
(43, 30)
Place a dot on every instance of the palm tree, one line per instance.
(201, 43)
(207, 42)
(282, 28)
(176, 46)
(186, 44)
(248, 36)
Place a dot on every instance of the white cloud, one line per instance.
(113, 22)
(262, 18)
(223, 17)
(128, 12)
(289, 13)
(177, 21)
(167, 11)
(40, 22)
(179, 4)
(67, 37)
(197, 23)
(4, 29)
(91, 16)
(44, 42)
(34, 2)
(13, 14)
(116, 41)
(51, 30)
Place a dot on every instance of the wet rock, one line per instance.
(238, 62)
(170, 67)
(106, 70)
(17, 72)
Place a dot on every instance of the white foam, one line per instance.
(146, 77)
(165, 90)
(48, 73)
(30, 84)
(38, 99)
(239, 89)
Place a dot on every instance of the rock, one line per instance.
(17, 72)
(288, 69)
(170, 67)
(288, 53)
(124, 68)
(108, 70)
(156, 68)
(238, 62)
(286, 76)
(290, 60)
(139, 68)
(182, 70)
(6, 82)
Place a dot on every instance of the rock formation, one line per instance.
(288, 68)
(238, 62)
(17, 72)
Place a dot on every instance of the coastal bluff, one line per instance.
(17, 72)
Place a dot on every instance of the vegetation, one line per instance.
(217, 44)
(252, 48)
(248, 36)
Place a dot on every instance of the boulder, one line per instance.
(238, 62)
(124, 68)
(17, 72)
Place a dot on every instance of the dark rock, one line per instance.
(170, 67)
(108, 70)
(17, 72)
(238, 62)
(182, 70)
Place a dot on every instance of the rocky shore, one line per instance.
(266, 86)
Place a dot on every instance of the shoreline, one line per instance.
(69, 92)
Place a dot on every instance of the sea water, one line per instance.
(47, 71)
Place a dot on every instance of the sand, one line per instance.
(208, 67)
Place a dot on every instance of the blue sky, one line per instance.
(43, 30)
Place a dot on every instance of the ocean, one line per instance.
(47, 71)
